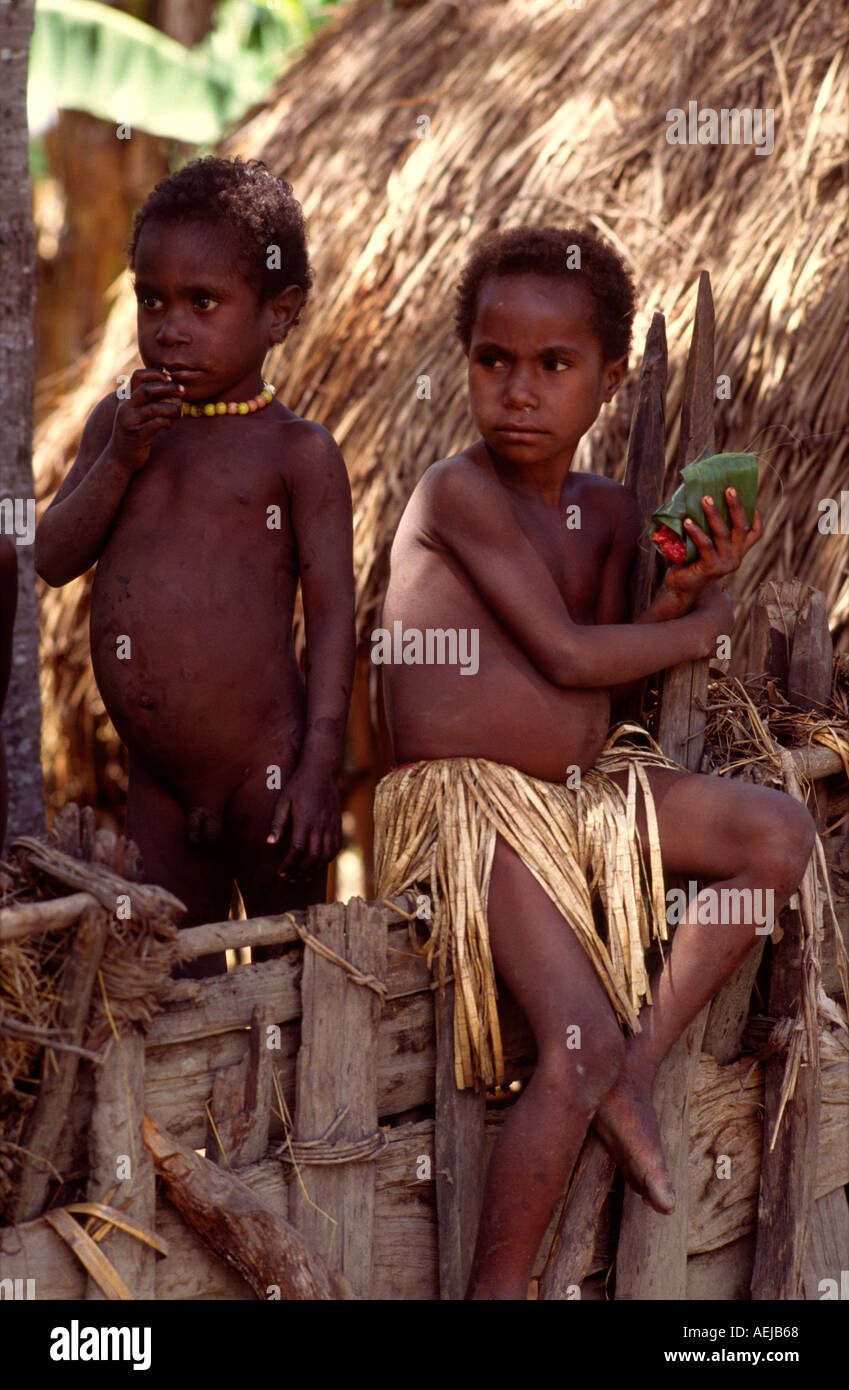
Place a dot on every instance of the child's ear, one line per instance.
(284, 311)
(613, 373)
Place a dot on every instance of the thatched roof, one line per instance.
(540, 113)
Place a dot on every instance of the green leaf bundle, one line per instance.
(708, 476)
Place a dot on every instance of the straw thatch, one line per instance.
(539, 113)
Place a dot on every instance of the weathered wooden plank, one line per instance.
(827, 1257)
(696, 435)
(224, 1002)
(645, 466)
(729, 1009)
(644, 473)
(652, 1251)
(179, 1080)
(810, 673)
(240, 1108)
(772, 626)
(336, 1090)
(45, 1121)
(460, 1159)
(240, 1226)
(788, 1170)
(725, 1122)
(651, 1259)
(788, 1167)
(682, 721)
(572, 1249)
(117, 1155)
(201, 1008)
(722, 1275)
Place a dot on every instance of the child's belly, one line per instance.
(506, 712)
(196, 672)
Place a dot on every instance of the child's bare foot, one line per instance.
(626, 1121)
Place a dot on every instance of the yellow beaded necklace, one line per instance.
(233, 407)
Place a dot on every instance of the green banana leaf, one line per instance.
(87, 56)
(709, 476)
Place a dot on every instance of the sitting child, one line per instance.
(205, 502)
(513, 798)
(8, 605)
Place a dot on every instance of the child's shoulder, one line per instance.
(306, 442)
(98, 426)
(613, 499)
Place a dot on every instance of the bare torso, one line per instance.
(203, 586)
(508, 711)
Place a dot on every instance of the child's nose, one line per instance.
(519, 392)
(172, 328)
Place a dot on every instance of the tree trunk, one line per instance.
(22, 715)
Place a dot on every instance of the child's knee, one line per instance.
(581, 1067)
(785, 841)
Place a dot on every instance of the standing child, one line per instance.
(204, 502)
(8, 605)
(514, 798)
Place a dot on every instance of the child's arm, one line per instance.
(323, 524)
(115, 445)
(469, 512)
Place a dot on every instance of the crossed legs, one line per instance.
(729, 834)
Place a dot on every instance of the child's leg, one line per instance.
(541, 961)
(730, 835)
(198, 874)
(248, 819)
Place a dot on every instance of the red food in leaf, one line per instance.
(671, 546)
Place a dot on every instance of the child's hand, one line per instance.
(154, 404)
(309, 804)
(718, 556)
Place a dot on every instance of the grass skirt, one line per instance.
(435, 828)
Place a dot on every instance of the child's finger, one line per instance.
(292, 861)
(702, 541)
(281, 815)
(716, 520)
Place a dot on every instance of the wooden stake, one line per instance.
(59, 1072)
(644, 477)
(788, 1171)
(459, 1159)
(333, 1206)
(241, 1103)
(651, 1259)
(572, 1249)
(682, 723)
(117, 1155)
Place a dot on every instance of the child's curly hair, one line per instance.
(551, 251)
(258, 210)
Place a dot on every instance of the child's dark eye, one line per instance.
(147, 300)
(205, 299)
(557, 364)
(489, 359)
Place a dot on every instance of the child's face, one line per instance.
(198, 315)
(537, 374)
